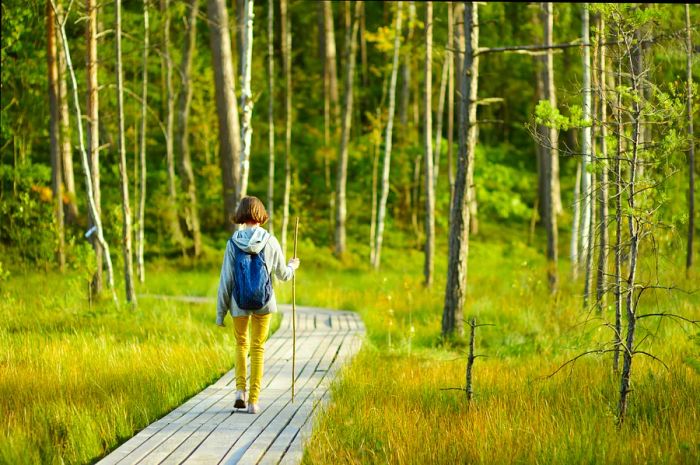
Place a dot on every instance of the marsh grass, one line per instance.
(78, 380)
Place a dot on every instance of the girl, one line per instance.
(253, 240)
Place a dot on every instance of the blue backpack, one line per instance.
(252, 288)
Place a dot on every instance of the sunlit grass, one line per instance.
(78, 379)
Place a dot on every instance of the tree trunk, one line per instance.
(89, 178)
(93, 136)
(226, 107)
(123, 171)
(182, 141)
(438, 125)
(601, 282)
(406, 69)
(246, 98)
(455, 291)
(551, 157)
(586, 140)
(330, 57)
(373, 213)
(387, 141)
(238, 39)
(428, 141)
(691, 139)
(630, 305)
(450, 100)
(140, 236)
(286, 37)
(54, 133)
(575, 222)
(71, 210)
(167, 65)
(341, 210)
(271, 114)
(363, 50)
(618, 220)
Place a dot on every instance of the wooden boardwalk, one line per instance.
(207, 430)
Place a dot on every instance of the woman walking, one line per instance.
(252, 256)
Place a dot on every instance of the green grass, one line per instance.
(76, 381)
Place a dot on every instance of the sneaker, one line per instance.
(253, 408)
(240, 400)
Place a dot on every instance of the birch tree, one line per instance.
(271, 113)
(123, 173)
(140, 236)
(381, 214)
(286, 37)
(550, 160)
(691, 139)
(93, 135)
(455, 290)
(96, 230)
(226, 107)
(54, 133)
(341, 210)
(189, 188)
(601, 282)
(246, 97)
(586, 139)
(428, 141)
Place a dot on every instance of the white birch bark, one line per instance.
(387, 141)
(286, 37)
(586, 147)
(246, 97)
(140, 236)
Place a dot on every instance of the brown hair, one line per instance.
(250, 210)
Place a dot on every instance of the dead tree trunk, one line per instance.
(601, 282)
(246, 97)
(226, 107)
(381, 214)
(428, 141)
(123, 170)
(54, 133)
(455, 291)
(691, 139)
(271, 113)
(89, 177)
(341, 211)
(286, 38)
(71, 210)
(93, 135)
(189, 188)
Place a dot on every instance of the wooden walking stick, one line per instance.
(294, 309)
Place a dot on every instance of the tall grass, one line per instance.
(77, 380)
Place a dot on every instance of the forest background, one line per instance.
(177, 163)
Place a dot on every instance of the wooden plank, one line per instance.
(219, 442)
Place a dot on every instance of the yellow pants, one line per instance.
(259, 328)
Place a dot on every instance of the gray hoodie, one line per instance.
(250, 239)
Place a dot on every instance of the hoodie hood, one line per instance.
(251, 240)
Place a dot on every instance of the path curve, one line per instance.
(207, 430)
